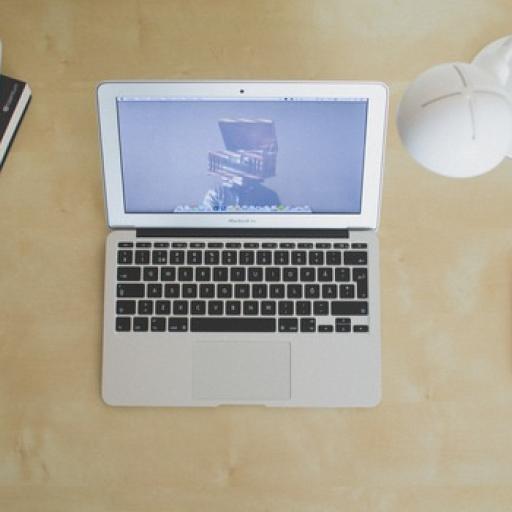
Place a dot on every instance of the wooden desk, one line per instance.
(441, 439)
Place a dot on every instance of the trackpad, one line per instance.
(237, 370)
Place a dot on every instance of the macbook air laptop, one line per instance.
(242, 262)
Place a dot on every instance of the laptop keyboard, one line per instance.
(289, 287)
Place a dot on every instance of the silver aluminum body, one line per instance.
(327, 370)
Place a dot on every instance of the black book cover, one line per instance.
(14, 98)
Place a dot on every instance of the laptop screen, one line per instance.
(257, 156)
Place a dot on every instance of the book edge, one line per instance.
(16, 119)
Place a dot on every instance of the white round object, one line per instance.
(456, 120)
(497, 57)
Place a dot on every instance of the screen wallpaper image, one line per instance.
(244, 156)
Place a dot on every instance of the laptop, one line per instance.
(242, 262)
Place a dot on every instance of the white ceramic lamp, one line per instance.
(456, 119)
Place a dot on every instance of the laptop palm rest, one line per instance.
(238, 370)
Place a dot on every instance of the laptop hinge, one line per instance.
(240, 233)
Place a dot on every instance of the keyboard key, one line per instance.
(341, 245)
(259, 291)
(307, 274)
(268, 307)
(360, 276)
(361, 328)
(255, 274)
(288, 325)
(215, 307)
(312, 291)
(142, 257)
(202, 273)
(206, 291)
(233, 307)
(316, 258)
(237, 274)
(224, 291)
(343, 325)
(246, 257)
(229, 257)
(251, 245)
(233, 324)
(324, 274)
(189, 290)
(287, 245)
(180, 307)
(281, 258)
(242, 291)
(329, 291)
(198, 307)
(349, 308)
(347, 291)
(179, 245)
(307, 324)
(268, 245)
(155, 290)
(197, 245)
(163, 307)
(285, 307)
(125, 244)
(220, 274)
(325, 328)
(264, 257)
(250, 307)
(305, 245)
(303, 308)
(172, 290)
(124, 257)
(272, 274)
(158, 324)
(342, 274)
(211, 257)
(359, 245)
(140, 323)
(123, 324)
(194, 257)
(150, 273)
(161, 245)
(333, 257)
(130, 290)
(320, 307)
(356, 258)
(290, 274)
(168, 274)
(277, 291)
(145, 307)
(125, 307)
(233, 245)
(159, 258)
(185, 274)
(177, 324)
(176, 257)
(128, 273)
(215, 245)
(299, 257)
(294, 291)
(143, 244)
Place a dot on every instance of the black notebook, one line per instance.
(14, 97)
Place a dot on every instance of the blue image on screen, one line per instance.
(247, 156)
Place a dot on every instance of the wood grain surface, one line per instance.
(442, 438)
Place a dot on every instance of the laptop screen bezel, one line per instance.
(376, 93)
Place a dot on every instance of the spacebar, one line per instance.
(233, 324)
